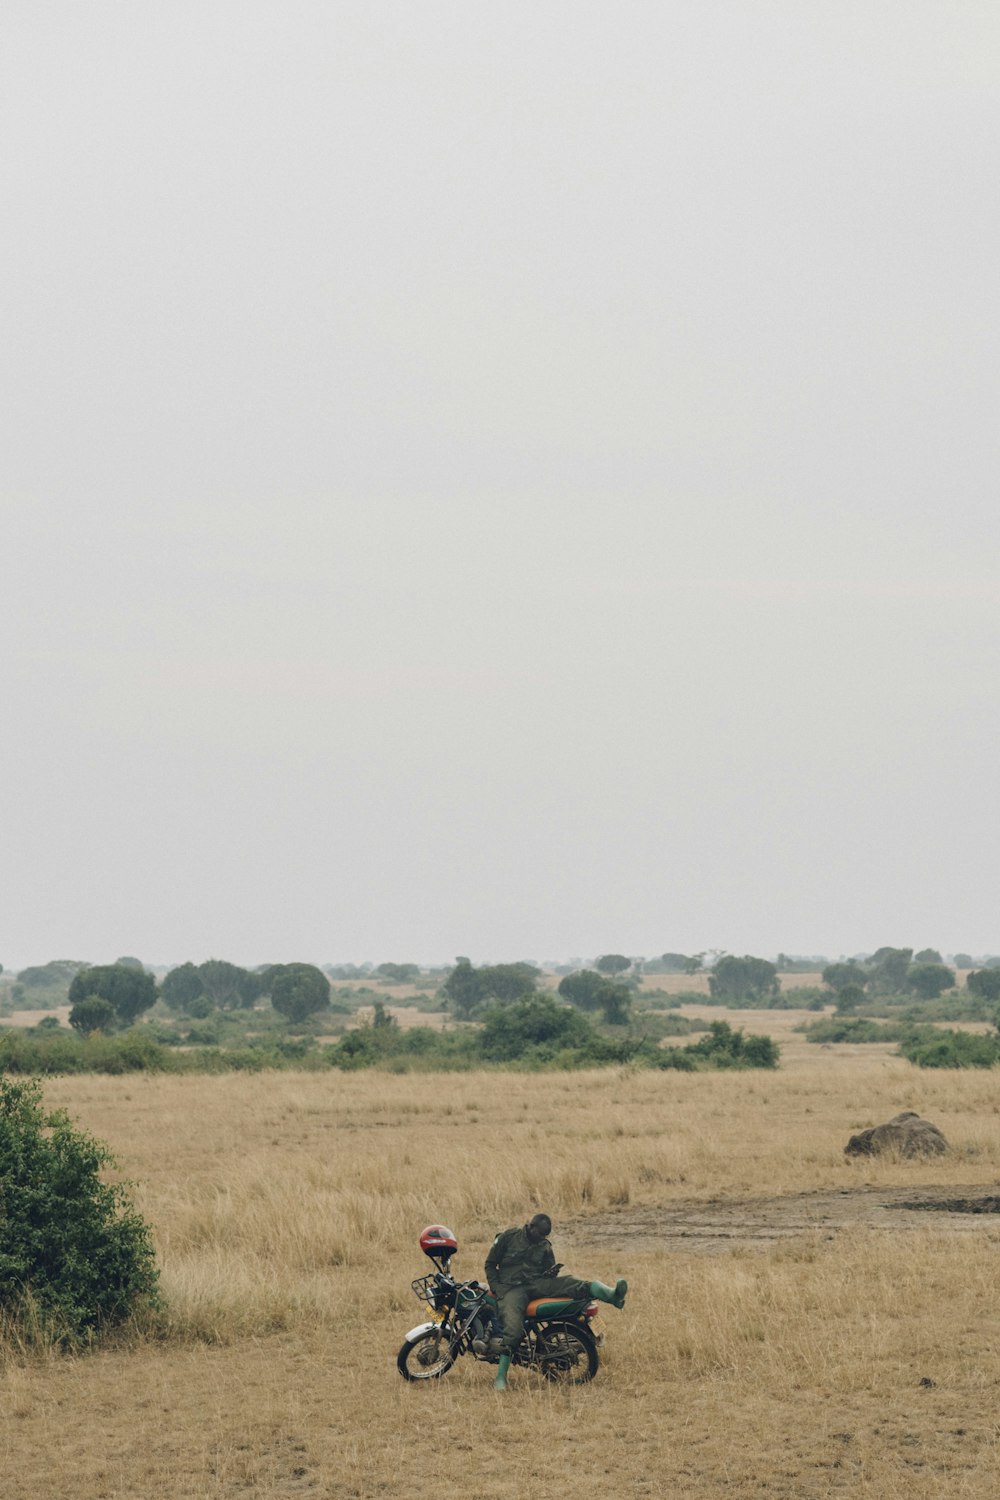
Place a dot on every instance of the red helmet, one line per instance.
(438, 1242)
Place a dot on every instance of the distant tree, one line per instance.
(129, 991)
(92, 1014)
(985, 983)
(509, 981)
(130, 963)
(221, 982)
(928, 980)
(613, 963)
(583, 989)
(849, 997)
(887, 970)
(464, 988)
(590, 991)
(46, 976)
(382, 1018)
(693, 963)
(743, 979)
(928, 956)
(299, 990)
(841, 975)
(468, 987)
(181, 987)
(616, 1004)
(398, 973)
(963, 960)
(674, 963)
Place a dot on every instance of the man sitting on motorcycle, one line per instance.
(520, 1266)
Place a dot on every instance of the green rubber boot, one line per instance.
(500, 1384)
(613, 1294)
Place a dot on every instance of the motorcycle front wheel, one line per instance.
(427, 1357)
(565, 1354)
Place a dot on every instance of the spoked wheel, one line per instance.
(426, 1357)
(565, 1354)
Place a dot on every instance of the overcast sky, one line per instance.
(512, 480)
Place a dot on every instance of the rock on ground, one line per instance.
(906, 1134)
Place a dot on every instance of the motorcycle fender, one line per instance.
(420, 1328)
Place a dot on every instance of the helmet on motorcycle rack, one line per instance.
(438, 1242)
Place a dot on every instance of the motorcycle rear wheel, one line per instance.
(566, 1354)
(427, 1357)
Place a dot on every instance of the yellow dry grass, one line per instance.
(286, 1209)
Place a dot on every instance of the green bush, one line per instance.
(725, 1047)
(851, 1029)
(75, 1257)
(930, 1047)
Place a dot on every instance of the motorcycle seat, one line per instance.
(549, 1307)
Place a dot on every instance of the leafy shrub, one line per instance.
(75, 1257)
(725, 1047)
(930, 1047)
(851, 1029)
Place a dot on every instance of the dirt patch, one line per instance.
(718, 1225)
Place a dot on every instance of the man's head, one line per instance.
(539, 1228)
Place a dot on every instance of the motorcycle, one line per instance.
(558, 1343)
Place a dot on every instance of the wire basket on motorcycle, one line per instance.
(433, 1289)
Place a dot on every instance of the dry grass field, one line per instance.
(853, 1353)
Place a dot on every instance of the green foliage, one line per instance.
(181, 987)
(929, 979)
(224, 983)
(612, 963)
(849, 997)
(130, 991)
(93, 1014)
(468, 988)
(845, 975)
(851, 1029)
(44, 986)
(75, 1257)
(398, 973)
(591, 991)
(738, 980)
(928, 956)
(298, 990)
(676, 963)
(930, 1047)
(536, 1025)
(887, 970)
(726, 1047)
(984, 983)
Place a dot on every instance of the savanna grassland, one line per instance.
(844, 1359)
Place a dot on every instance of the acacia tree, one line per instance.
(743, 979)
(613, 963)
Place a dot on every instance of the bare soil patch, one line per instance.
(724, 1224)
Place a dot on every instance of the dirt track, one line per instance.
(706, 1228)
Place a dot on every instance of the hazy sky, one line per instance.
(513, 480)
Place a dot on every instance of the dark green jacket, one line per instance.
(512, 1260)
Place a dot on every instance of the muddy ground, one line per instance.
(708, 1227)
